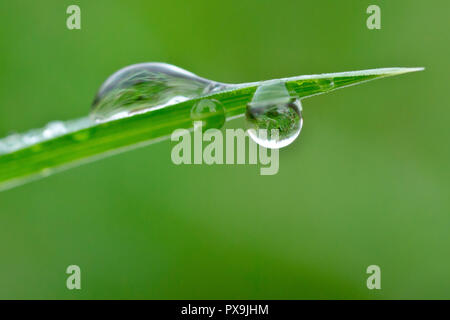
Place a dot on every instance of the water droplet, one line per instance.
(10, 142)
(36, 147)
(145, 86)
(81, 135)
(325, 84)
(210, 112)
(274, 118)
(54, 129)
(32, 136)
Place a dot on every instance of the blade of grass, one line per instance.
(103, 139)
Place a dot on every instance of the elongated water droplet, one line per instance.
(145, 86)
(210, 112)
(274, 118)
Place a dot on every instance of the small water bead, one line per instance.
(10, 142)
(325, 84)
(146, 86)
(210, 112)
(54, 129)
(274, 118)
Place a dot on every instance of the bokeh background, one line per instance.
(367, 182)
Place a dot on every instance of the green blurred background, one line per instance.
(366, 183)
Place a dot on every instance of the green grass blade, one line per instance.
(103, 139)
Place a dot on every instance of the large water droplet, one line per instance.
(146, 86)
(274, 118)
(209, 112)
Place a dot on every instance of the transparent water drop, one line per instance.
(8, 143)
(54, 129)
(325, 84)
(146, 86)
(31, 137)
(274, 118)
(209, 112)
